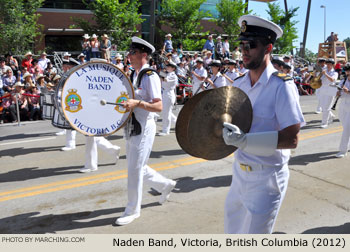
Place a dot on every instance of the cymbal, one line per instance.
(200, 123)
(183, 120)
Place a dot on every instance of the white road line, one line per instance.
(27, 141)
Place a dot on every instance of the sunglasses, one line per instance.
(248, 46)
(133, 51)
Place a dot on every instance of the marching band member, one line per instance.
(169, 84)
(141, 135)
(327, 92)
(232, 72)
(198, 76)
(217, 79)
(322, 63)
(91, 153)
(344, 115)
(260, 168)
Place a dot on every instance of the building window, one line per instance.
(65, 4)
(210, 6)
(70, 43)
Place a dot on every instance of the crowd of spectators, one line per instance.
(21, 82)
(24, 80)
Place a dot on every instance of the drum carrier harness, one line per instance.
(135, 127)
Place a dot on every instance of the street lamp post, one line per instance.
(324, 7)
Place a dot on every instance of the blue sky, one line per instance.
(337, 19)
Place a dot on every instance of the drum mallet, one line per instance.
(104, 102)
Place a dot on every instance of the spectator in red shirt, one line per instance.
(27, 61)
(338, 67)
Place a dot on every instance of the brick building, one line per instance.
(56, 18)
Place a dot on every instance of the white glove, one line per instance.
(260, 143)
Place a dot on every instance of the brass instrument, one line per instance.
(315, 81)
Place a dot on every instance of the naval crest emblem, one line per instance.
(73, 101)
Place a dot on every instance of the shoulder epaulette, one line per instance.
(149, 73)
(239, 77)
(282, 76)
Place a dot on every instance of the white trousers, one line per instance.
(326, 102)
(70, 138)
(91, 154)
(254, 199)
(344, 116)
(138, 150)
(168, 99)
(317, 92)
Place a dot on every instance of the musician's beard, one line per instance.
(255, 61)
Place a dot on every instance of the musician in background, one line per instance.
(344, 114)
(198, 76)
(140, 135)
(322, 63)
(260, 169)
(287, 59)
(327, 93)
(277, 63)
(181, 72)
(241, 69)
(169, 84)
(217, 79)
(232, 72)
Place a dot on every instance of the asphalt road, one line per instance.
(41, 190)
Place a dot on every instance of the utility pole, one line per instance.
(285, 6)
(152, 22)
(302, 50)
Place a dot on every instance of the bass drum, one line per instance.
(48, 105)
(58, 121)
(84, 93)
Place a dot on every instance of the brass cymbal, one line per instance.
(183, 120)
(199, 125)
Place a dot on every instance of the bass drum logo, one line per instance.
(121, 99)
(73, 101)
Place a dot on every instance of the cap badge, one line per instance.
(244, 26)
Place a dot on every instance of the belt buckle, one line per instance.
(245, 167)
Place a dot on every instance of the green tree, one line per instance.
(310, 56)
(18, 25)
(284, 20)
(229, 13)
(118, 19)
(183, 18)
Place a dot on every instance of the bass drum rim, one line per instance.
(65, 78)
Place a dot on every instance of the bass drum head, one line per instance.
(84, 88)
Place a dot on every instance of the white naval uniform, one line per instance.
(91, 154)
(344, 116)
(138, 148)
(232, 76)
(168, 99)
(219, 81)
(327, 94)
(255, 197)
(317, 92)
(70, 138)
(196, 83)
